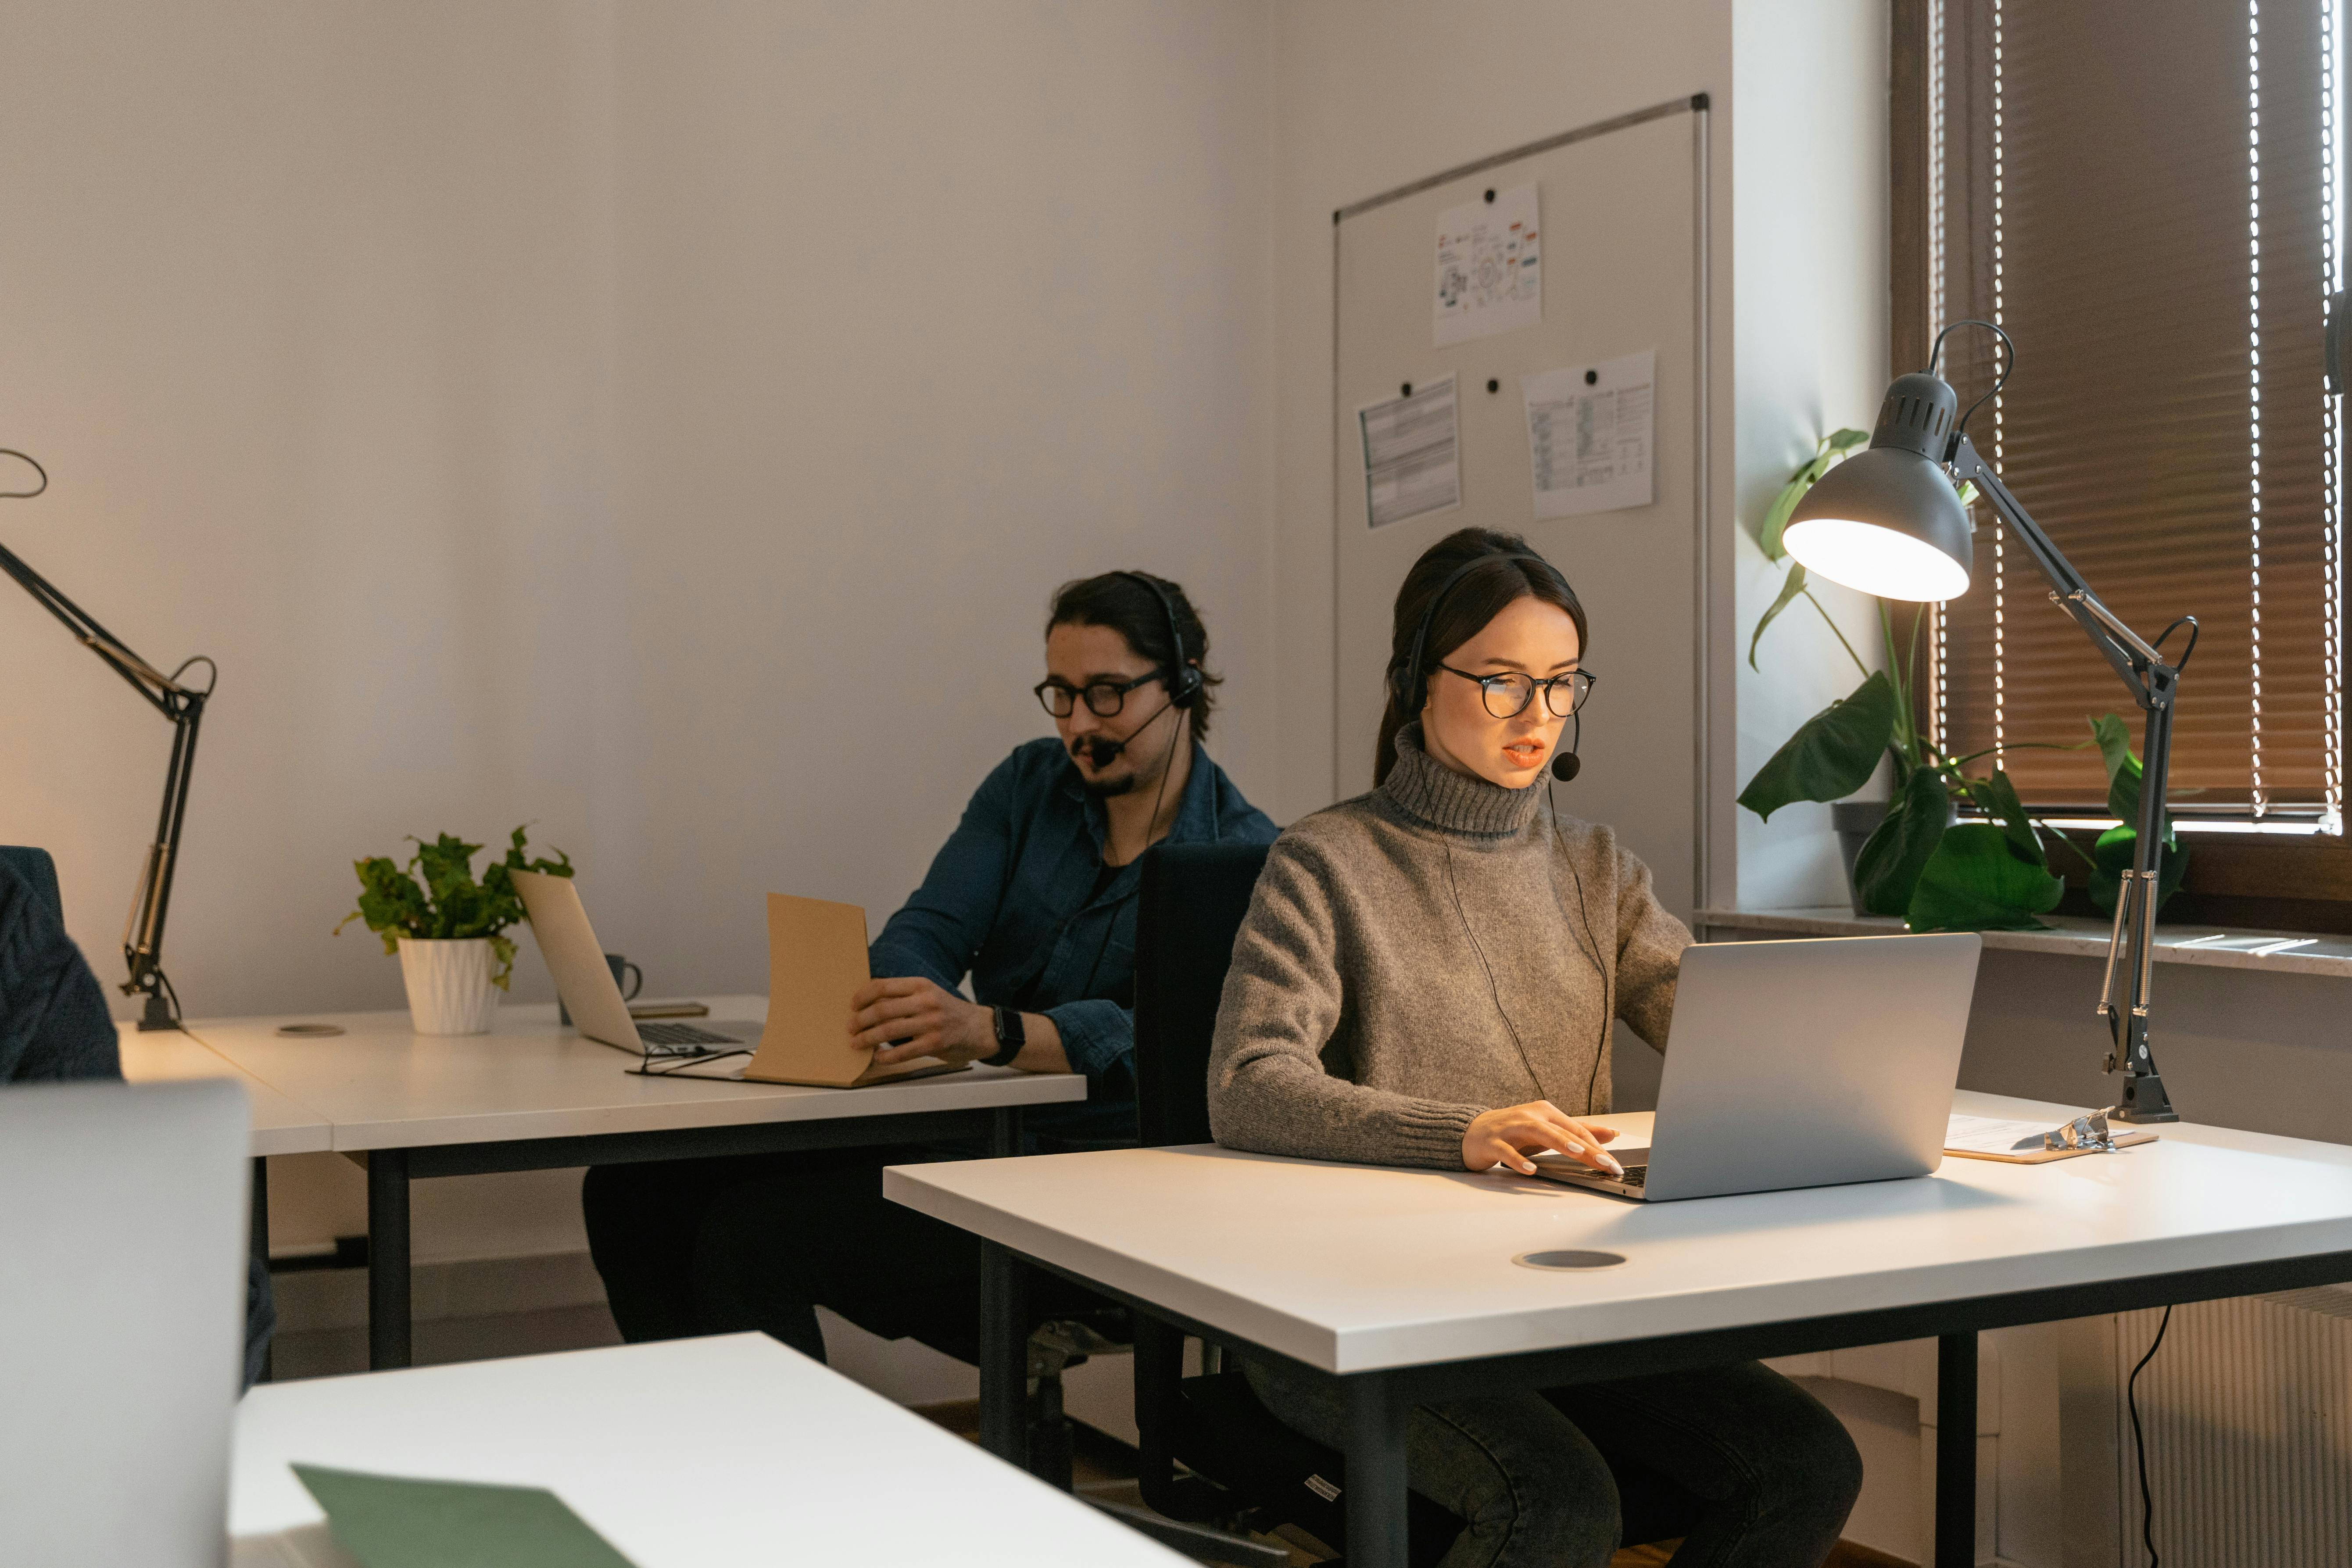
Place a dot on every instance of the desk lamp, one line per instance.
(184, 705)
(1889, 521)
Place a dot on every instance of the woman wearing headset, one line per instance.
(1426, 977)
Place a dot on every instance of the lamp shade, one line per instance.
(1887, 522)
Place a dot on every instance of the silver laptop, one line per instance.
(1801, 1064)
(560, 923)
(122, 1247)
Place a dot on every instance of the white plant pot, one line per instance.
(449, 989)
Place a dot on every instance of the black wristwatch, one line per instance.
(1011, 1036)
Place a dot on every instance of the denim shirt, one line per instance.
(1012, 899)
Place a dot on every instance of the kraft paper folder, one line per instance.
(816, 962)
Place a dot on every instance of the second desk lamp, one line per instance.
(1889, 521)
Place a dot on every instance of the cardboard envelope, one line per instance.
(816, 962)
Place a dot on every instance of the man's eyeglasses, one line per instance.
(1104, 697)
(1507, 696)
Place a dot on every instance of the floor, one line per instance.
(1104, 1469)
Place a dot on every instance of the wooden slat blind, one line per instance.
(2138, 190)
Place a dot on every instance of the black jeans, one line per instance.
(759, 1242)
(1768, 1472)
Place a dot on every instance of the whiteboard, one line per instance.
(1622, 209)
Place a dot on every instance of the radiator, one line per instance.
(2248, 1414)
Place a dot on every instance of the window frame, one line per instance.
(2234, 876)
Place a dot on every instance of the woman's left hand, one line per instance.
(1509, 1135)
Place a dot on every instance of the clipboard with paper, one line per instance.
(2028, 1143)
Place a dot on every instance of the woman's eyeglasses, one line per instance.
(1507, 696)
(1103, 698)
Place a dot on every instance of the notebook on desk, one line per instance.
(816, 962)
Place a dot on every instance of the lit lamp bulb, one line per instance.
(1887, 521)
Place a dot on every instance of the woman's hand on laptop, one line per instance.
(1508, 1136)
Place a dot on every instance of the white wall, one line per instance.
(305, 312)
(921, 310)
(1374, 94)
(662, 424)
(1809, 214)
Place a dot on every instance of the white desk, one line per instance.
(532, 1096)
(279, 1125)
(691, 1453)
(1401, 1282)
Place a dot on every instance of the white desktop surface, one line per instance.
(165, 1056)
(706, 1453)
(1356, 1267)
(383, 1086)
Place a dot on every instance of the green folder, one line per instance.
(394, 1521)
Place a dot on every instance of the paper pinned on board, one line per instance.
(1490, 268)
(1412, 463)
(1592, 435)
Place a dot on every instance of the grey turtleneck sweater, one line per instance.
(1422, 953)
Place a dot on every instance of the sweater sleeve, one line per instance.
(1650, 944)
(1268, 1089)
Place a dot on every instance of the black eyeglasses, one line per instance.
(1104, 697)
(1507, 696)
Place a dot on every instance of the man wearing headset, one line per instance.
(1032, 897)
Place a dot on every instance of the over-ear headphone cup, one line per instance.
(1186, 689)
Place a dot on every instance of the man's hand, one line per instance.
(930, 1022)
(1509, 1135)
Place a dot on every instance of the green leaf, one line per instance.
(1996, 798)
(1975, 881)
(1889, 865)
(1776, 520)
(1846, 440)
(2111, 857)
(1832, 754)
(447, 902)
(1790, 586)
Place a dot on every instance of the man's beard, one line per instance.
(1104, 788)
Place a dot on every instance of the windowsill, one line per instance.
(2071, 934)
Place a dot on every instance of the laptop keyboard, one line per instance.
(680, 1039)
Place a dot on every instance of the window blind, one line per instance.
(2145, 194)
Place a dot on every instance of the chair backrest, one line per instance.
(1189, 911)
(36, 867)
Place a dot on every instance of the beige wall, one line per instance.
(662, 424)
(305, 312)
(1373, 95)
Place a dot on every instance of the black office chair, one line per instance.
(1245, 1465)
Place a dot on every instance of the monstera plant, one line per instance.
(1925, 862)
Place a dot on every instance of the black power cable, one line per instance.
(2140, 1443)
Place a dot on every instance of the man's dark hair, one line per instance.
(1134, 612)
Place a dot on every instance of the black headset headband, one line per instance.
(1183, 680)
(1411, 678)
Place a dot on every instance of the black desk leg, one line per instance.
(1004, 1354)
(256, 1242)
(388, 1308)
(1376, 1473)
(1004, 1132)
(1956, 1451)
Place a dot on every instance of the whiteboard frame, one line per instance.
(1702, 756)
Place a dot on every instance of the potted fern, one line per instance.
(1920, 862)
(448, 929)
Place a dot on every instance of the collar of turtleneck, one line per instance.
(1433, 793)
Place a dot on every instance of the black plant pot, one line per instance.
(1855, 821)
